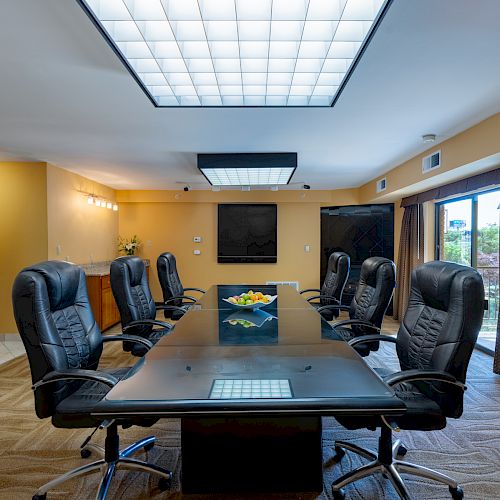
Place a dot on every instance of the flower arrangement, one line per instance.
(129, 247)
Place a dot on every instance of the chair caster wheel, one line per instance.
(456, 493)
(84, 453)
(339, 453)
(402, 450)
(149, 446)
(39, 497)
(164, 483)
(339, 494)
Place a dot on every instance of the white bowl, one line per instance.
(256, 305)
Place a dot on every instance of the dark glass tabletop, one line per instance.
(282, 358)
(287, 296)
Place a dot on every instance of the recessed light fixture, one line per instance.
(429, 138)
(238, 52)
(248, 169)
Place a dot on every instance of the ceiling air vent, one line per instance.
(381, 185)
(431, 162)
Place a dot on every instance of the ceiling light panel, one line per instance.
(238, 52)
(248, 176)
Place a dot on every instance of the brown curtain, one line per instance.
(411, 254)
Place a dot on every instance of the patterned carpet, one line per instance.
(32, 451)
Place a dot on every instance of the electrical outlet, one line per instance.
(197, 252)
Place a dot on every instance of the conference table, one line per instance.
(250, 388)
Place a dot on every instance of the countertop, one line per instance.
(101, 268)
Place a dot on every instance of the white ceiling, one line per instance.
(65, 98)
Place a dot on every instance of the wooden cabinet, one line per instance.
(102, 301)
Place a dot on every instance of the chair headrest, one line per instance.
(134, 265)
(168, 259)
(434, 281)
(61, 279)
(333, 261)
(370, 268)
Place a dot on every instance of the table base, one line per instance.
(264, 454)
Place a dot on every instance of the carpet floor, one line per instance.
(32, 451)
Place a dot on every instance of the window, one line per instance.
(468, 233)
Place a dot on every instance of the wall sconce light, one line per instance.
(92, 199)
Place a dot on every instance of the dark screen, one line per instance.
(247, 233)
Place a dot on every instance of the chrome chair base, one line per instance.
(108, 468)
(390, 468)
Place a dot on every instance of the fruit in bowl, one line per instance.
(249, 298)
(244, 323)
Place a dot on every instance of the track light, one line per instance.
(109, 205)
(115, 208)
(90, 199)
(187, 188)
(97, 202)
(306, 186)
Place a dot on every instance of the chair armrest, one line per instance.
(195, 290)
(307, 290)
(337, 307)
(127, 338)
(161, 306)
(326, 297)
(181, 297)
(372, 338)
(423, 375)
(360, 322)
(150, 322)
(77, 374)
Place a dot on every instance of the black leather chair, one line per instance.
(130, 287)
(377, 280)
(337, 274)
(434, 346)
(64, 344)
(173, 291)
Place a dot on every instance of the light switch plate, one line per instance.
(197, 239)
(307, 248)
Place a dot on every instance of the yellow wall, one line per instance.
(23, 227)
(463, 155)
(170, 226)
(84, 232)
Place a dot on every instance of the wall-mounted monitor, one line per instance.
(247, 233)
